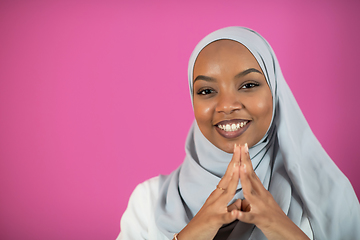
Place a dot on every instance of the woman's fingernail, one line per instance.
(244, 167)
(246, 148)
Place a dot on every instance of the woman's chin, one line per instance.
(226, 147)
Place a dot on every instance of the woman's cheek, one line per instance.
(260, 105)
(203, 112)
(203, 119)
(264, 113)
(207, 111)
(264, 107)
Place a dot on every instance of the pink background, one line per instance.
(94, 98)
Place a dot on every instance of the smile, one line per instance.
(232, 128)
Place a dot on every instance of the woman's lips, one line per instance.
(232, 128)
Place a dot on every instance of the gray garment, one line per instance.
(289, 161)
(138, 220)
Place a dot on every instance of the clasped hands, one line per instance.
(258, 206)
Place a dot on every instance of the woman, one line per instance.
(253, 168)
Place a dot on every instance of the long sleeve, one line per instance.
(138, 220)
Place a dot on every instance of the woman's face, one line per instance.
(232, 100)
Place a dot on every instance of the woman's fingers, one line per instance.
(249, 180)
(241, 208)
(245, 205)
(242, 205)
(222, 189)
(235, 205)
(215, 210)
(244, 173)
(246, 217)
(234, 181)
(230, 216)
(234, 163)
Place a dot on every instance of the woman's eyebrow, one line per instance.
(205, 78)
(247, 71)
(239, 75)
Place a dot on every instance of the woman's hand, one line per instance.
(259, 206)
(215, 211)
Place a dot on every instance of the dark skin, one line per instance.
(228, 91)
(230, 85)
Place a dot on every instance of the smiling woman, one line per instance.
(232, 101)
(253, 168)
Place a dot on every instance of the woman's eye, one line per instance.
(205, 91)
(249, 85)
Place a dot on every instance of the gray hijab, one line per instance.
(289, 161)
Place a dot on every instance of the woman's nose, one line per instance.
(228, 103)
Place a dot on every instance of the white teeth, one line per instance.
(233, 127)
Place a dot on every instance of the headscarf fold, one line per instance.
(289, 161)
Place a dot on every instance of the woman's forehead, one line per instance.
(226, 52)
